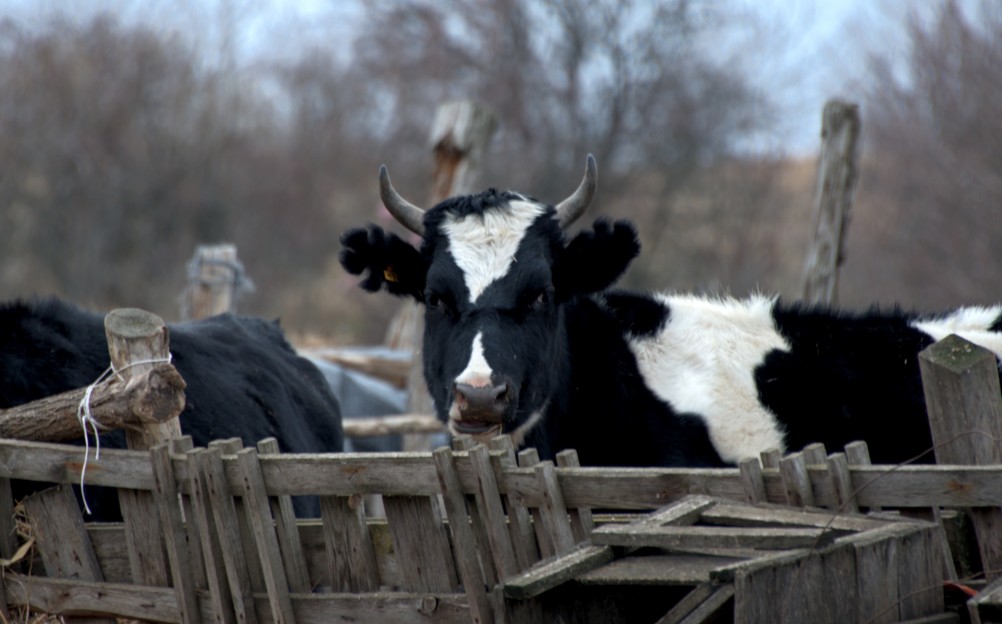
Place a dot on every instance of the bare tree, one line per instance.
(933, 182)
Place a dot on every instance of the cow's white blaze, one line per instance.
(484, 245)
(969, 323)
(478, 371)
(703, 362)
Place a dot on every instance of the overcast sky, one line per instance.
(802, 51)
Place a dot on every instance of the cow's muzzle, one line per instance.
(480, 408)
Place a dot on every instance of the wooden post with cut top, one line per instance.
(964, 403)
(838, 172)
(137, 341)
(459, 138)
(215, 280)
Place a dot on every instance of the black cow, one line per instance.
(522, 336)
(243, 379)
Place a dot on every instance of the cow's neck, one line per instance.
(583, 408)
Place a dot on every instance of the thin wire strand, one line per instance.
(85, 417)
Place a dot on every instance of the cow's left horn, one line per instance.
(574, 206)
(409, 215)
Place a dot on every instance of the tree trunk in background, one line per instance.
(838, 172)
(459, 138)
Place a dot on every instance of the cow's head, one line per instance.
(495, 273)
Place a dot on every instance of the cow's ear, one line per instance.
(595, 258)
(389, 261)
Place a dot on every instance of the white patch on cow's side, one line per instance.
(703, 362)
(484, 245)
(969, 323)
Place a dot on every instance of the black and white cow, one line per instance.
(243, 379)
(522, 336)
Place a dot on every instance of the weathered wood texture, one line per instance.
(964, 403)
(484, 492)
(137, 341)
(215, 280)
(150, 398)
(838, 172)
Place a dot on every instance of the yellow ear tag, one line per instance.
(389, 275)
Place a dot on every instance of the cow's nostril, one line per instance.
(482, 403)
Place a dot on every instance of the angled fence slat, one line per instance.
(465, 545)
(289, 540)
(233, 547)
(178, 553)
(212, 555)
(263, 525)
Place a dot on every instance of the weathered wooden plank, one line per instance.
(817, 587)
(491, 572)
(682, 513)
(668, 569)
(751, 480)
(964, 402)
(351, 560)
(519, 519)
(180, 447)
(233, 508)
(920, 574)
(527, 459)
(715, 537)
(770, 458)
(841, 483)
(793, 471)
(421, 544)
(178, 554)
(815, 454)
(582, 522)
(877, 565)
(263, 525)
(464, 543)
(71, 598)
(76, 597)
(285, 528)
(232, 545)
(553, 509)
(60, 536)
(408, 474)
(549, 574)
(212, 555)
(492, 514)
(733, 514)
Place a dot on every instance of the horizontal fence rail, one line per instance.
(413, 474)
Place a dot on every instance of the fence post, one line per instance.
(215, 281)
(459, 138)
(137, 341)
(838, 172)
(964, 403)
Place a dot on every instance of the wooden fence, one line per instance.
(231, 551)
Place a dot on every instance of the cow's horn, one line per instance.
(409, 215)
(574, 206)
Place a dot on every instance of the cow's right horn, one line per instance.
(574, 206)
(409, 215)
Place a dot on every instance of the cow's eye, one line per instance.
(437, 302)
(542, 300)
